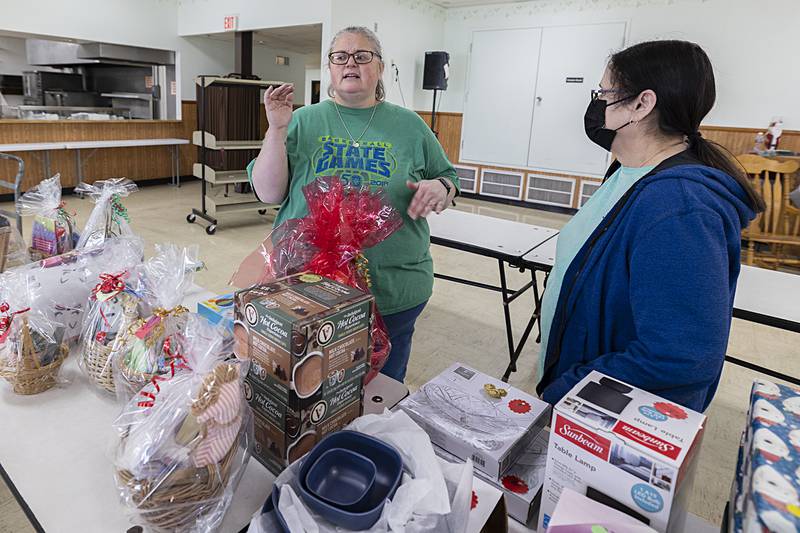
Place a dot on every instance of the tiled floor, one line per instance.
(460, 323)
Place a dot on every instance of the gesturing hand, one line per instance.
(429, 195)
(278, 105)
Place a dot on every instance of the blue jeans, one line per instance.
(401, 329)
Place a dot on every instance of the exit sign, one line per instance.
(231, 23)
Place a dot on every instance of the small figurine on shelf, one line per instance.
(774, 133)
(760, 143)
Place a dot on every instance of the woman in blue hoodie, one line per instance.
(645, 273)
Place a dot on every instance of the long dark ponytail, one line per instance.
(681, 75)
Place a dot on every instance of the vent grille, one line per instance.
(501, 184)
(467, 177)
(588, 188)
(550, 190)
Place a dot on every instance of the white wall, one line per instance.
(407, 29)
(750, 44)
(264, 66)
(202, 17)
(199, 17)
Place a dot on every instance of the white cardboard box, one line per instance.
(522, 483)
(625, 448)
(459, 416)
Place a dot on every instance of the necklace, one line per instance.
(658, 153)
(355, 142)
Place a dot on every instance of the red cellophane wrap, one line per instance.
(342, 222)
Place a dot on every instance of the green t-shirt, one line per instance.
(397, 146)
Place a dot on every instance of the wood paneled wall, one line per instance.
(155, 162)
(735, 140)
(135, 163)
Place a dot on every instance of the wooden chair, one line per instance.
(778, 227)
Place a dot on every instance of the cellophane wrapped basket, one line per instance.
(163, 283)
(342, 222)
(31, 347)
(53, 231)
(114, 307)
(183, 441)
(109, 218)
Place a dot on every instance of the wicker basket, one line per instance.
(175, 503)
(185, 495)
(134, 379)
(37, 255)
(27, 376)
(97, 357)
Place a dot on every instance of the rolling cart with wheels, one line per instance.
(221, 148)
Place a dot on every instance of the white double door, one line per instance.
(527, 91)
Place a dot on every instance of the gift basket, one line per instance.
(53, 230)
(31, 347)
(342, 222)
(114, 306)
(183, 440)
(64, 282)
(109, 218)
(163, 283)
(13, 251)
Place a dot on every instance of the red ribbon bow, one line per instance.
(173, 367)
(110, 284)
(6, 319)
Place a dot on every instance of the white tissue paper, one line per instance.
(434, 495)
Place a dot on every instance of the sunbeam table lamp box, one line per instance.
(625, 448)
(478, 417)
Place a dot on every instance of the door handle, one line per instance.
(538, 99)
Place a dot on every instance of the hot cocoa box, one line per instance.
(625, 448)
(283, 435)
(766, 491)
(476, 416)
(303, 335)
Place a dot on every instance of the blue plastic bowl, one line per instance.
(341, 477)
(272, 505)
(388, 472)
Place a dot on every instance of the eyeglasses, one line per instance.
(599, 93)
(362, 57)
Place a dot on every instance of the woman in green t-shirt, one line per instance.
(363, 140)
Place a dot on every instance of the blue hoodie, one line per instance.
(648, 298)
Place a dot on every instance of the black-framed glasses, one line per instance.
(599, 93)
(362, 57)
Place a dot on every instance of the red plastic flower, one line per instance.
(671, 410)
(515, 484)
(519, 406)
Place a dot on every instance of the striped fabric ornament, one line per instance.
(222, 420)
